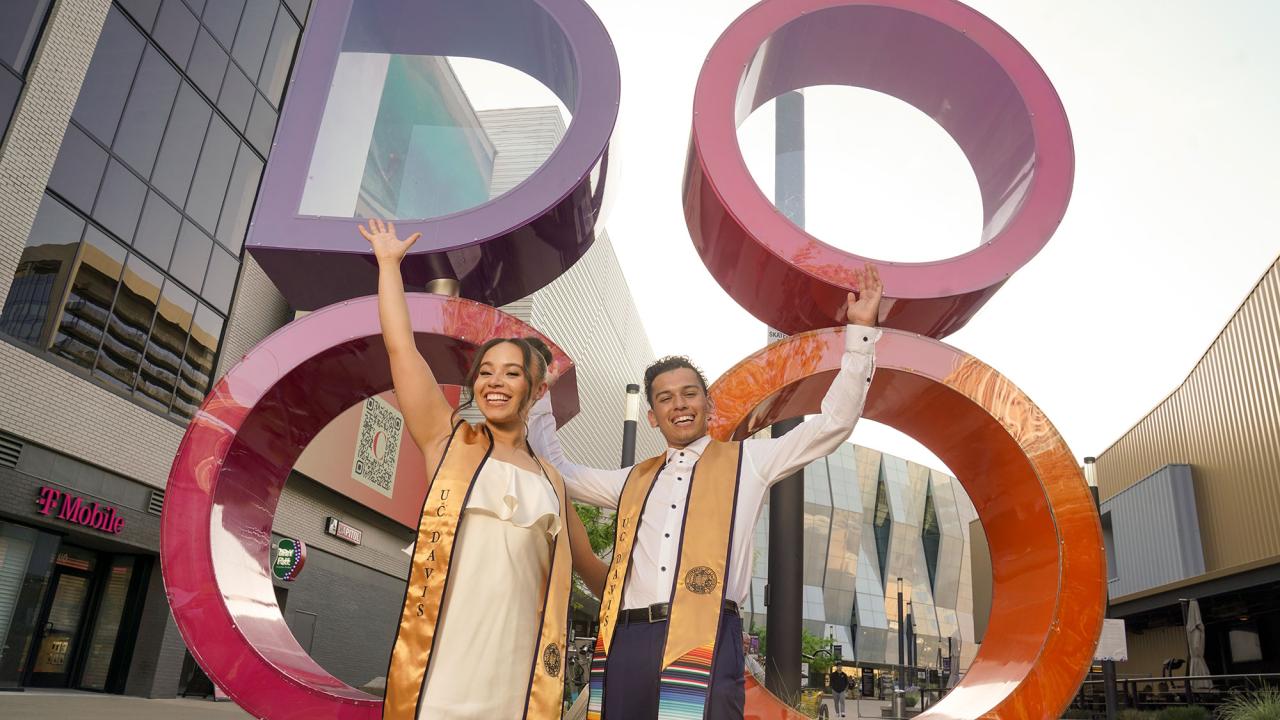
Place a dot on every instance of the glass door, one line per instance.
(108, 617)
(58, 635)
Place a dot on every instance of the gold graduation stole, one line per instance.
(698, 600)
(468, 449)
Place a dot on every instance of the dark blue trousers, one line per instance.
(631, 677)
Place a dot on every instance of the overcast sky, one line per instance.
(1172, 220)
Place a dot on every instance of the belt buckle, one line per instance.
(650, 610)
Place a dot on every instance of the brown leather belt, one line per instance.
(658, 612)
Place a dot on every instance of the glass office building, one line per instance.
(875, 524)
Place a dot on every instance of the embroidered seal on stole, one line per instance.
(551, 660)
(701, 580)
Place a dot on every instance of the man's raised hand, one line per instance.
(864, 308)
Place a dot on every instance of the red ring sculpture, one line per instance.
(1045, 539)
(944, 58)
(215, 532)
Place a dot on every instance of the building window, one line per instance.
(21, 22)
(930, 536)
(882, 522)
(132, 263)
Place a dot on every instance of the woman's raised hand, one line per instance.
(386, 246)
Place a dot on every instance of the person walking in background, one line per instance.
(839, 686)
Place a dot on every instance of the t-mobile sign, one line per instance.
(76, 510)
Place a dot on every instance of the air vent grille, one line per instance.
(10, 450)
(156, 503)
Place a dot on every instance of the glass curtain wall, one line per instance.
(128, 274)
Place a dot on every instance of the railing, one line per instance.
(1154, 693)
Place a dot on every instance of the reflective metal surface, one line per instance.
(942, 57)
(232, 465)
(1045, 540)
(764, 705)
(500, 250)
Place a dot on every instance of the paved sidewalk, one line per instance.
(69, 705)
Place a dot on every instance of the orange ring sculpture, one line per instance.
(1048, 569)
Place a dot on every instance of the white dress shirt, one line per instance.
(656, 551)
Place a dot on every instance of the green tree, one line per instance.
(600, 524)
(810, 645)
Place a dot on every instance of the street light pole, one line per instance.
(1108, 666)
(913, 651)
(900, 623)
(629, 424)
(783, 593)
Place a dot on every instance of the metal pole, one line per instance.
(629, 424)
(900, 623)
(783, 593)
(1108, 666)
(1183, 603)
(913, 648)
(444, 286)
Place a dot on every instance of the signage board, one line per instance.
(78, 511)
(1112, 644)
(335, 527)
(288, 556)
(378, 446)
(353, 456)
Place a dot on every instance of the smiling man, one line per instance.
(670, 641)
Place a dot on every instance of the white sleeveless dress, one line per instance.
(486, 637)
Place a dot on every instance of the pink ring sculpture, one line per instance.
(215, 531)
(944, 58)
(1048, 593)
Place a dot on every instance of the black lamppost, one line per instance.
(783, 596)
(631, 420)
(900, 638)
(1108, 666)
(911, 640)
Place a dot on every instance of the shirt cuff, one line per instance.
(542, 406)
(860, 339)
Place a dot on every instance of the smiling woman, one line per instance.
(493, 592)
(506, 376)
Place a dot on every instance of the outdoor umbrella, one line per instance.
(1195, 646)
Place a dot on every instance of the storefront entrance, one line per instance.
(60, 627)
(68, 614)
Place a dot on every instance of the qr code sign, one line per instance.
(378, 447)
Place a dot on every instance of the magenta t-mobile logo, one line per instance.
(74, 509)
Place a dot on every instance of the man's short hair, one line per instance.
(667, 364)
